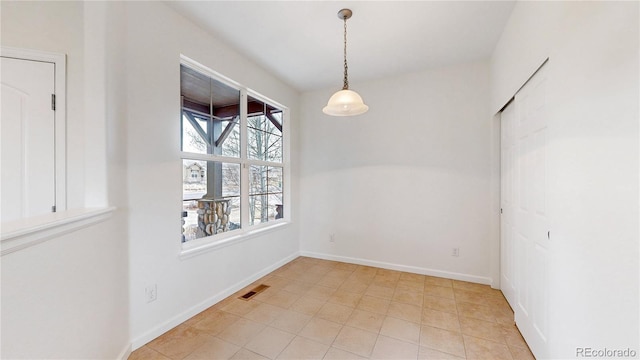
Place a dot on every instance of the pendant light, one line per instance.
(345, 102)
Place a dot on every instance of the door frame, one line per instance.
(494, 210)
(60, 114)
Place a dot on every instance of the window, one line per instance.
(232, 144)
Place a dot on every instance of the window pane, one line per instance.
(265, 189)
(264, 126)
(211, 198)
(210, 115)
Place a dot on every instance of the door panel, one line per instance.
(27, 130)
(531, 223)
(540, 259)
(522, 275)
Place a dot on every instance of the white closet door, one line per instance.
(508, 178)
(528, 259)
(27, 128)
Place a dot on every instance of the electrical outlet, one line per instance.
(455, 252)
(332, 238)
(151, 292)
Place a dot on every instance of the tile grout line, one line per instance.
(464, 343)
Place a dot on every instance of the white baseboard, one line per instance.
(124, 354)
(194, 310)
(412, 269)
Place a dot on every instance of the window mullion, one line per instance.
(244, 171)
(210, 157)
(264, 163)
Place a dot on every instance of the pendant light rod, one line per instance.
(345, 14)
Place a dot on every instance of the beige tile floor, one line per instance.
(318, 309)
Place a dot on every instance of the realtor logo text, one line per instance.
(587, 352)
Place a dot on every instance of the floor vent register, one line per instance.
(257, 290)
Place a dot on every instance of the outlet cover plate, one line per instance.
(151, 293)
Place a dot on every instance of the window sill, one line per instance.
(21, 234)
(199, 246)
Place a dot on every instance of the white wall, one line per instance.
(593, 116)
(68, 297)
(403, 184)
(48, 32)
(156, 38)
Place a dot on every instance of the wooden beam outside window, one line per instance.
(197, 127)
(227, 130)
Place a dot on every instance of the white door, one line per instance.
(525, 224)
(507, 183)
(27, 144)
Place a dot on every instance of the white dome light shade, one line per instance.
(345, 103)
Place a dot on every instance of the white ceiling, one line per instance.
(301, 41)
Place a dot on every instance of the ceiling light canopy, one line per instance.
(345, 102)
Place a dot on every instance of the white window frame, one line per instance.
(246, 231)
